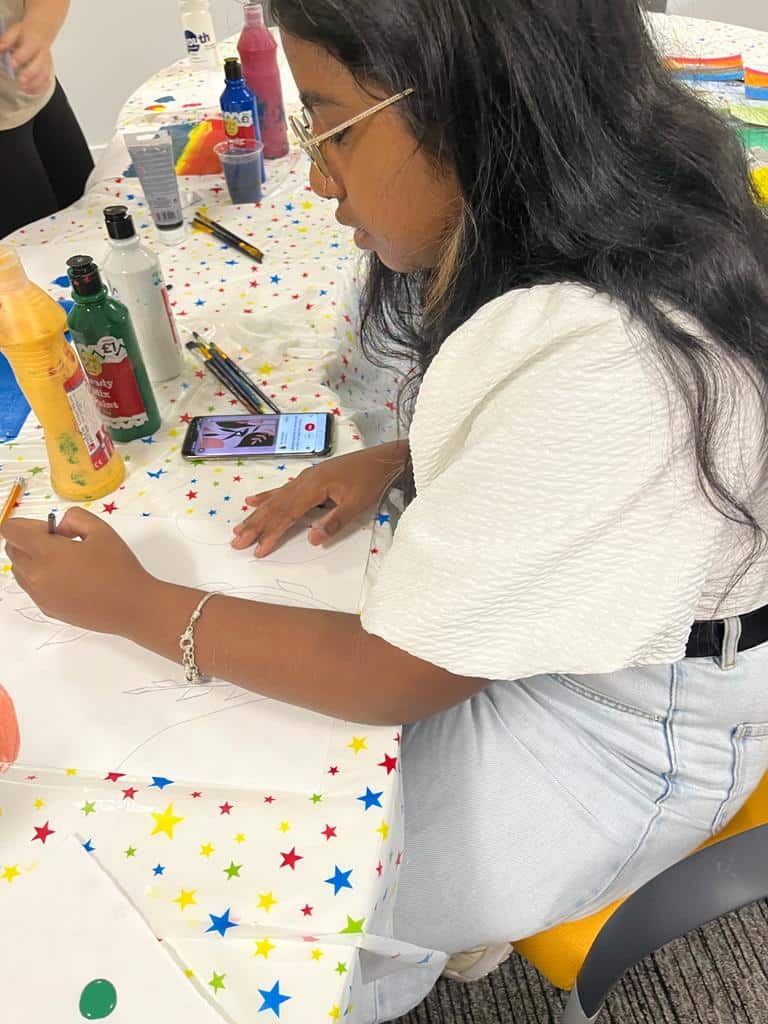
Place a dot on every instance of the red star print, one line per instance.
(290, 858)
(226, 807)
(269, 799)
(42, 832)
(397, 737)
(336, 411)
(185, 417)
(294, 296)
(329, 832)
(244, 508)
(390, 763)
(348, 318)
(191, 495)
(254, 284)
(333, 770)
(130, 793)
(219, 394)
(31, 778)
(399, 860)
(110, 507)
(196, 795)
(390, 406)
(374, 551)
(309, 306)
(113, 776)
(307, 910)
(200, 374)
(379, 869)
(237, 479)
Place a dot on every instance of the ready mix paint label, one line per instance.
(113, 382)
(95, 435)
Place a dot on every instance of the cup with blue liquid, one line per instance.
(241, 162)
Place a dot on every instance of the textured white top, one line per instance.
(558, 524)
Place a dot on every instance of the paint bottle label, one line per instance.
(113, 382)
(238, 124)
(96, 439)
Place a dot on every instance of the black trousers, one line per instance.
(44, 165)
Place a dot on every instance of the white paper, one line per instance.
(101, 703)
(65, 924)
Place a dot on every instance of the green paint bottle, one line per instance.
(103, 333)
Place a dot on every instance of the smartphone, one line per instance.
(306, 434)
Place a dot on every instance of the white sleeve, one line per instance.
(558, 530)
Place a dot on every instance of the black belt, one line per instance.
(706, 638)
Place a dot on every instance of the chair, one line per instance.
(589, 956)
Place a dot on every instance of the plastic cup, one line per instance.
(241, 162)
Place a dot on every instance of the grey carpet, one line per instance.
(716, 975)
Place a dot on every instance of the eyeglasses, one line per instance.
(302, 127)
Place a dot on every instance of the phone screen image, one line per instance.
(271, 434)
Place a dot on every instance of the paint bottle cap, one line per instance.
(119, 222)
(84, 275)
(232, 70)
(173, 235)
(12, 275)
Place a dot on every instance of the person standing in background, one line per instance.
(44, 157)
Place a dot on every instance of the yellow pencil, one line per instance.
(10, 502)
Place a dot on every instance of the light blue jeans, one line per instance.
(542, 800)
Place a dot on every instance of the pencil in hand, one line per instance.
(13, 498)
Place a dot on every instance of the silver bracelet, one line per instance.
(187, 642)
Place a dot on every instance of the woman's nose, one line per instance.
(326, 188)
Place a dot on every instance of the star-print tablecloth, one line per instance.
(265, 897)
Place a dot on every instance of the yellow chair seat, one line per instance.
(560, 951)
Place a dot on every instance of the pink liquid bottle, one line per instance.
(258, 56)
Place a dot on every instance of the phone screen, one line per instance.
(271, 434)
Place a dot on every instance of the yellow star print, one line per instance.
(240, 838)
(186, 898)
(284, 826)
(334, 1013)
(317, 954)
(207, 850)
(358, 743)
(71, 771)
(165, 822)
(266, 901)
(10, 872)
(383, 829)
(39, 803)
(265, 369)
(263, 948)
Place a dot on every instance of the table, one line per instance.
(310, 876)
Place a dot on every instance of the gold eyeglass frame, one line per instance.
(311, 143)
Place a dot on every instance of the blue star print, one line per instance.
(273, 999)
(157, 475)
(339, 879)
(158, 869)
(275, 279)
(382, 517)
(88, 846)
(158, 782)
(221, 923)
(371, 799)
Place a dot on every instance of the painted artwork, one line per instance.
(193, 147)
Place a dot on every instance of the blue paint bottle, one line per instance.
(238, 105)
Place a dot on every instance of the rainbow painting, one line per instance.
(756, 83)
(708, 69)
(193, 147)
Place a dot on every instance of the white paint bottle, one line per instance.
(199, 35)
(135, 278)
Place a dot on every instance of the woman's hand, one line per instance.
(353, 483)
(29, 44)
(84, 574)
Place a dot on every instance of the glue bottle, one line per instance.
(135, 278)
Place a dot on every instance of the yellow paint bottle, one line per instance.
(82, 457)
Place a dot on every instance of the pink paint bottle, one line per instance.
(258, 56)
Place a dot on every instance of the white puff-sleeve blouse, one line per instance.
(558, 524)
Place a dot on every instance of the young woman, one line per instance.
(43, 154)
(571, 618)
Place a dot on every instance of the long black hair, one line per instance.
(580, 159)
